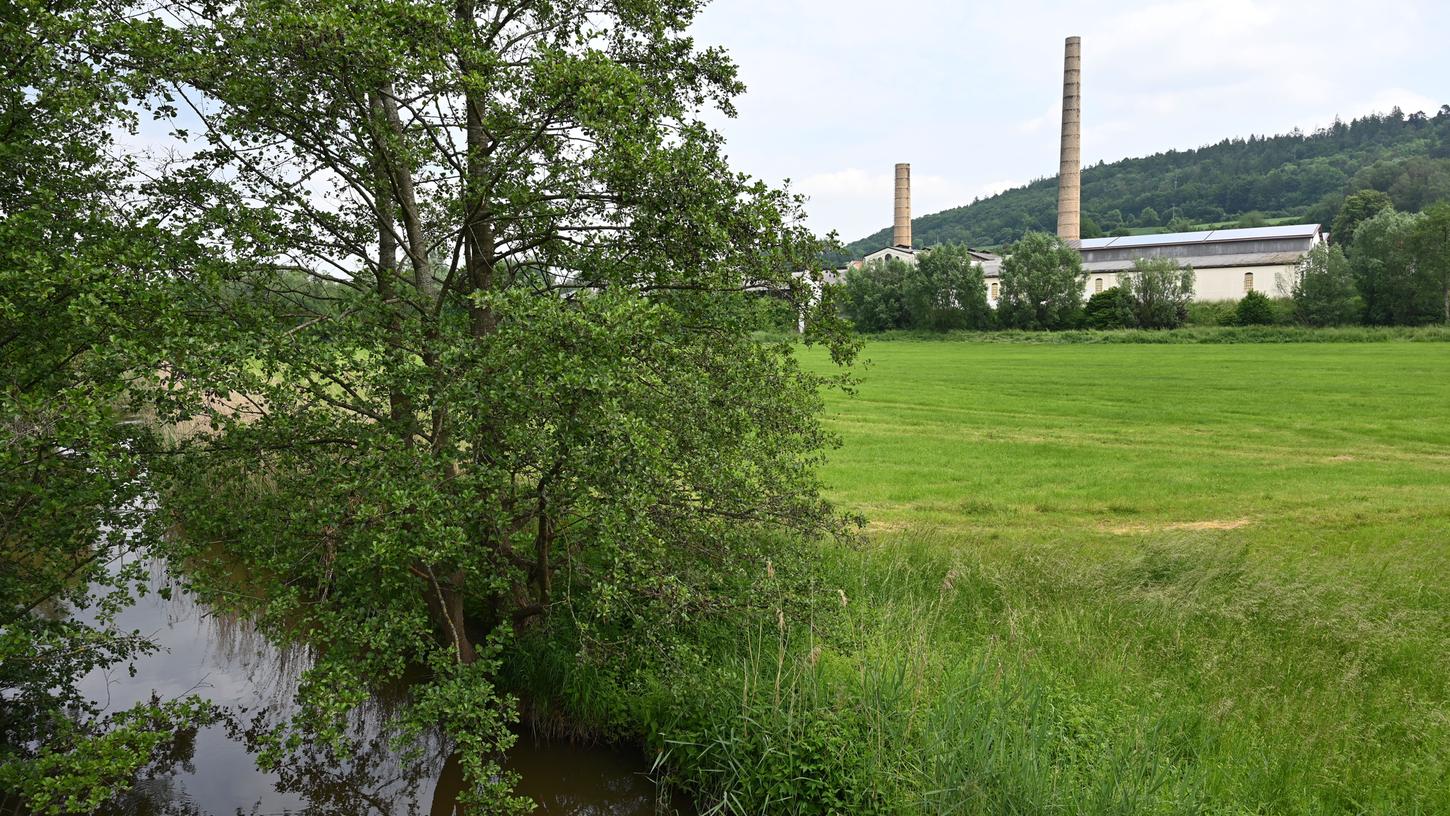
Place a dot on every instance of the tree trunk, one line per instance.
(399, 405)
(478, 233)
(445, 606)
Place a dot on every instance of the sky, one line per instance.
(969, 93)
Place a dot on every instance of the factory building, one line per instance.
(1227, 264)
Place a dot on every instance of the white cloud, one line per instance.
(970, 93)
(863, 201)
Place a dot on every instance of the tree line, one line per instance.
(1392, 269)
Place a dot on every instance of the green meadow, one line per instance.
(1146, 578)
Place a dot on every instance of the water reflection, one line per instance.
(213, 771)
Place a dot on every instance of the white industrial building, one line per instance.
(1227, 264)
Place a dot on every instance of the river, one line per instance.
(215, 774)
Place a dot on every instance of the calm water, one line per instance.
(223, 660)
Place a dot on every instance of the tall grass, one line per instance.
(1171, 681)
(1125, 580)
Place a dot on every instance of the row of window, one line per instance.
(1098, 285)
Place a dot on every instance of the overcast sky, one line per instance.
(969, 92)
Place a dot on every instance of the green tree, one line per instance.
(1430, 243)
(1149, 218)
(1421, 182)
(1109, 309)
(1159, 291)
(80, 311)
(1357, 209)
(1042, 281)
(1180, 224)
(946, 291)
(874, 295)
(534, 404)
(1383, 262)
(1254, 309)
(1323, 288)
(1251, 219)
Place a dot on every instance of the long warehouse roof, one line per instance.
(1202, 237)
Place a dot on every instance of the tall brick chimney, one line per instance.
(901, 232)
(1069, 174)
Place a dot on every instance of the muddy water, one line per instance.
(214, 774)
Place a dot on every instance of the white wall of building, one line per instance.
(892, 254)
(1222, 283)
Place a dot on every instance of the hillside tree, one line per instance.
(1358, 208)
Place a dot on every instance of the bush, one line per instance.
(1158, 291)
(1255, 310)
(1110, 309)
(1212, 313)
(776, 315)
(1194, 335)
(946, 291)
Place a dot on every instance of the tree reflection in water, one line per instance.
(213, 772)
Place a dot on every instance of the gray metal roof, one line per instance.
(1202, 237)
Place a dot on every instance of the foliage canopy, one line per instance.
(520, 386)
(1042, 281)
(1159, 291)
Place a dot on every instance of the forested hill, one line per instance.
(1298, 176)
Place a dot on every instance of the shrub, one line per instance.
(946, 291)
(942, 291)
(1110, 309)
(1211, 313)
(1254, 310)
(1158, 291)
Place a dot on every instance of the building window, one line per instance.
(1098, 285)
(887, 258)
(1248, 281)
(994, 291)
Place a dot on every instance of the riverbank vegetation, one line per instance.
(455, 351)
(440, 320)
